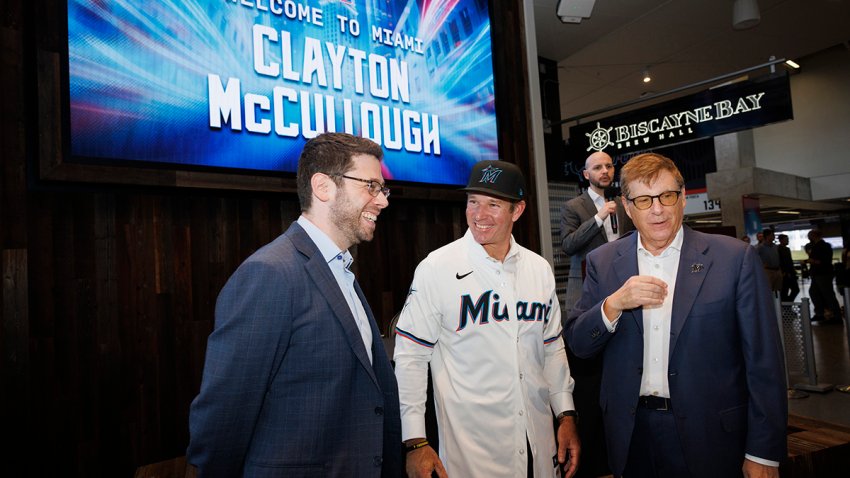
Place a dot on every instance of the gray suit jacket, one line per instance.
(288, 389)
(580, 235)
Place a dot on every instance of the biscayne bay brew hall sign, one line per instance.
(721, 110)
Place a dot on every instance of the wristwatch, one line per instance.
(567, 413)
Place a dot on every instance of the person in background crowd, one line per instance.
(693, 382)
(821, 272)
(296, 380)
(483, 313)
(588, 221)
(769, 254)
(790, 287)
(842, 277)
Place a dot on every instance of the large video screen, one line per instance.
(243, 84)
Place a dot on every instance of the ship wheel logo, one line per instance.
(600, 138)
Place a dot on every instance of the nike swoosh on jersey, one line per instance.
(458, 275)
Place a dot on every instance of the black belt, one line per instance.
(654, 403)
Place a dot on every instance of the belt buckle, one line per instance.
(666, 403)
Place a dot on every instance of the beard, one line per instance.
(600, 184)
(346, 216)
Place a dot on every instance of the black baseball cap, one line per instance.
(497, 178)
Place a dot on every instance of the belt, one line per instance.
(654, 403)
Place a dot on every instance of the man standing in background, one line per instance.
(587, 222)
(769, 254)
(790, 288)
(822, 273)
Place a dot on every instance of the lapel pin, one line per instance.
(696, 268)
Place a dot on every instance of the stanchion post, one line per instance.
(809, 348)
(846, 388)
(793, 393)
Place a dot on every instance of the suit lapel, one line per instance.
(625, 266)
(326, 283)
(590, 209)
(694, 265)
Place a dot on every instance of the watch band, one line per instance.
(567, 413)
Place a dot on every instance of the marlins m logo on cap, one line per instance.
(490, 174)
(497, 178)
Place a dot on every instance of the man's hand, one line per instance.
(608, 208)
(568, 440)
(636, 292)
(757, 470)
(422, 461)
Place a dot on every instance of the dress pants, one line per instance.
(655, 450)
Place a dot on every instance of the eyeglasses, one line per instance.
(667, 198)
(374, 187)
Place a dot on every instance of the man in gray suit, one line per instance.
(297, 382)
(587, 222)
(590, 220)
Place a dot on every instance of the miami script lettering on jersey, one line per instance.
(487, 307)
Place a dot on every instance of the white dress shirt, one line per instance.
(656, 319)
(599, 202)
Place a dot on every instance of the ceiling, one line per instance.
(602, 59)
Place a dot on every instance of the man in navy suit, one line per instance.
(693, 381)
(297, 382)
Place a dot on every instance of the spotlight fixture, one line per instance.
(646, 77)
(573, 11)
(745, 14)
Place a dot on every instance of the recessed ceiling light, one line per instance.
(792, 64)
(787, 212)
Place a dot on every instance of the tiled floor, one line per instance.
(832, 363)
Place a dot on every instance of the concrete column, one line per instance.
(738, 176)
(735, 157)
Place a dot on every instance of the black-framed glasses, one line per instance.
(667, 198)
(374, 187)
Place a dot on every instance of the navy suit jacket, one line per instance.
(726, 367)
(288, 390)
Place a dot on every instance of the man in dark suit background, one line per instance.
(591, 219)
(693, 381)
(790, 288)
(588, 221)
(296, 381)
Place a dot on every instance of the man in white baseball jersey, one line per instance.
(483, 312)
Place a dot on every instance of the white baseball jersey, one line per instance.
(491, 332)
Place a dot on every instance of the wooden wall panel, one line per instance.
(108, 291)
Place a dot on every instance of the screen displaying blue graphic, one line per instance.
(243, 84)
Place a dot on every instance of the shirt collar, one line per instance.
(676, 245)
(593, 196)
(478, 250)
(327, 248)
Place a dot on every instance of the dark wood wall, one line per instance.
(108, 291)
